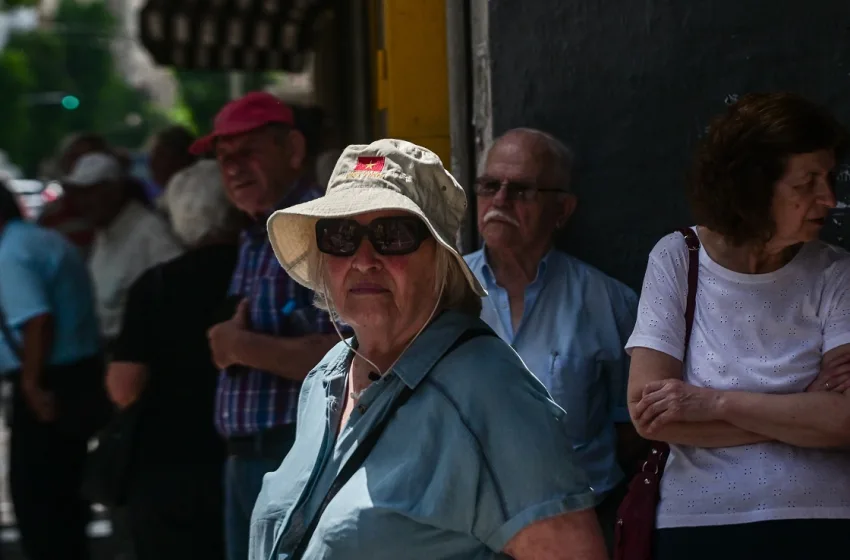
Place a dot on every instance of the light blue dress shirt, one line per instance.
(575, 324)
(41, 272)
(479, 452)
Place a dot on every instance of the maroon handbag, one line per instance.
(636, 514)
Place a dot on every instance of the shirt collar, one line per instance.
(431, 345)
(490, 277)
(418, 360)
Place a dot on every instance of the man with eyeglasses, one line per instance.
(567, 320)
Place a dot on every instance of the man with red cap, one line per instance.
(275, 335)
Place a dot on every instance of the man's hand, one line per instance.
(672, 400)
(41, 402)
(223, 336)
(834, 375)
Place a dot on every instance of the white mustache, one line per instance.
(495, 213)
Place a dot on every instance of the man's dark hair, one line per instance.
(310, 121)
(9, 207)
(77, 146)
(176, 141)
(745, 153)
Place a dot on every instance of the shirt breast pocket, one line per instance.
(571, 378)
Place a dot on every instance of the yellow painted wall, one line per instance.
(410, 68)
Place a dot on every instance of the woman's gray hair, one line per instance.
(197, 205)
(457, 293)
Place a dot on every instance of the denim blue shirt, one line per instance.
(41, 272)
(479, 452)
(575, 324)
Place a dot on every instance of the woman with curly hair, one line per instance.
(754, 407)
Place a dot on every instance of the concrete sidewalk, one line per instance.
(103, 544)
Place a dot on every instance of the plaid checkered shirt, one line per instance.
(249, 400)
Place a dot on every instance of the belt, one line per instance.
(273, 443)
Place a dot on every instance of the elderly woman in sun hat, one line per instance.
(423, 436)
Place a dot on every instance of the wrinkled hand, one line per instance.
(222, 336)
(672, 400)
(834, 375)
(40, 402)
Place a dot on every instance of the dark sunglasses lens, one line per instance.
(338, 237)
(487, 187)
(397, 235)
(513, 191)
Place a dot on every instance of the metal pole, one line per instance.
(460, 101)
(45, 98)
(482, 105)
(237, 84)
(358, 97)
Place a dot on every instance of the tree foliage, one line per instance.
(203, 93)
(20, 3)
(15, 80)
(72, 56)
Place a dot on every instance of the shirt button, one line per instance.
(226, 415)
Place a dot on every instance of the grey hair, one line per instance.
(457, 294)
(197, 205)
(559, 156)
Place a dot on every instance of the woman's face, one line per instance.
(382, 295)
(803, 197)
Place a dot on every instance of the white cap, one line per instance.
(92, 169)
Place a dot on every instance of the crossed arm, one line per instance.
(665, 408)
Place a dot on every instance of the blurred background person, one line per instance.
(162, 362)
(49, 344)
(130, 238)
(169, 154)
(59, 214)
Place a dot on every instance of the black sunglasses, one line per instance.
(393, 235)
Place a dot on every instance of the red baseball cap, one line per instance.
(249, 112)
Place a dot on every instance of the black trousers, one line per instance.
(175, 512)
(795, 539)
(45, 476)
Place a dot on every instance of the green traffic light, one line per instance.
(70, 102)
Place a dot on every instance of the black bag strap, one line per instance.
(359, 456)
(8, 336)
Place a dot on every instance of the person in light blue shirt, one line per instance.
(568, 321)
(43, 274)
(50, 347)
(424, 437)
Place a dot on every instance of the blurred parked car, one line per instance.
(34, 196)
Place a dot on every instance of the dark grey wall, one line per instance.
(631, 85)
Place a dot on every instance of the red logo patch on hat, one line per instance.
(370, 164)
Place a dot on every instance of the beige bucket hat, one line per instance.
(385, 175)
